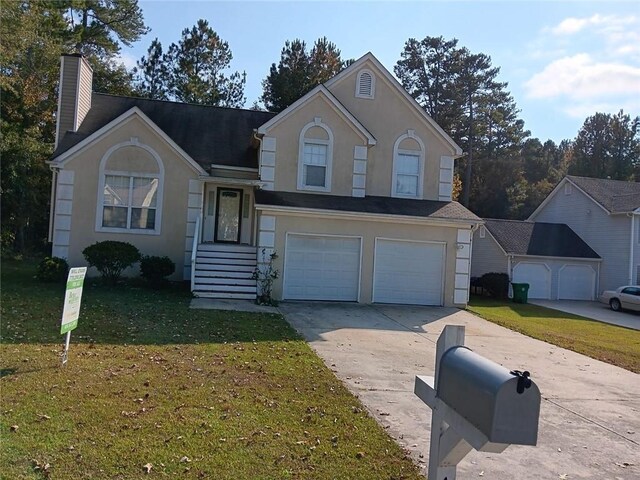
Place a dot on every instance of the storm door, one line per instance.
(228, 215)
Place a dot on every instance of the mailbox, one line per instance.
(503, 405)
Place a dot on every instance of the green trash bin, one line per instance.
(520, 292)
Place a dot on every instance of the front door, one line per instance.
(228, 215)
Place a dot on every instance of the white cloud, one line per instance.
(580, 77)
(605, 23)
(585, 109)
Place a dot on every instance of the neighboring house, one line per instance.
(604, 213)
(551, 258)
(351, 186)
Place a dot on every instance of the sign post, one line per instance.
(71, 311)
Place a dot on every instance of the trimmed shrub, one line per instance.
(495, 284)
(111, 258)
(52, 269)
(156, 269)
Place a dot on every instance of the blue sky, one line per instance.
(563, 61)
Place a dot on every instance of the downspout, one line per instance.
(254, 233)
(631, 245)
(52, 207)
(509, 258)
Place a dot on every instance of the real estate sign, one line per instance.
(72, 298)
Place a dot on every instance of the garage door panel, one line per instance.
(537, 275)
(576, 282)
(322, 268)
(408, 272)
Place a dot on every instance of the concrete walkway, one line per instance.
(593, 310)
(590, 413)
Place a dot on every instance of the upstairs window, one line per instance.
(365, 84)
(315, 157)
(408, 166)
(315, 164)
(407, 173)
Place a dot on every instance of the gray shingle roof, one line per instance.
(208, 134)
(616, 196)
(368, 204)
(538, 238)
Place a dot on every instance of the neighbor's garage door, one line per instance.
(408, 272)
(321, 268)
(576, 282)
(537, 275)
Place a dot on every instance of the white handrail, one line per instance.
(194, 252)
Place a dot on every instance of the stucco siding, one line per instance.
(368, 230)
(487, 256)
(607, 234)
(389, 116)
(287, 135)
(177, 173)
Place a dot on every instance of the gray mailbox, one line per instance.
(503, 405)
(475, 403)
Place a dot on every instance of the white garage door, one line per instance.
(576, 282)
(321, 268)
(408, 272)
(537, 275)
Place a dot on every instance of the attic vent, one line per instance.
(365, 84)
(483, 231)
(567, 188)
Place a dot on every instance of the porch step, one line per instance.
(235, 296)
(226, 247)
(224, 271)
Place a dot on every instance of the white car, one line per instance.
(623, 298)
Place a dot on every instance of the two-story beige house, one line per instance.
(351, 186)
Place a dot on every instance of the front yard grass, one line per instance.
(608, 343)
(152, 385)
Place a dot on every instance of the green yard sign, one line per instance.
(72, 298)
(71, 310)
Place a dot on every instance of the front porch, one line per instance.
(222, 253)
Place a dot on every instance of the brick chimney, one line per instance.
(74, 94)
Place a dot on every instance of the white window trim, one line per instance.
(103, 172)
(373, 84)
(317, 122)
(410, 134)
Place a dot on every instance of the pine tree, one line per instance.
(196, 66)
(299, 71)
(151, 73)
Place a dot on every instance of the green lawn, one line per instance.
(609, 343)
(194, 394)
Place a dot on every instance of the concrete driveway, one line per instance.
(593, 310)
(590, 413)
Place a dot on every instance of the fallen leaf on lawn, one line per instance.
(43, 417)
(14, 428)
(481, 474)
(147, 468)
(564, 476)
(185, 459)
(360, 455)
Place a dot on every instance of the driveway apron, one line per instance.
(590, 413)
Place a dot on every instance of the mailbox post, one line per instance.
(476, 404)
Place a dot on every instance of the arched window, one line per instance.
(408, 166)
(130, 184)
(315, 157)
(365, 84)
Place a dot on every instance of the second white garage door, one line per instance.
(537, 275)
(408, 272)
(576, 282)
(321, 268)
